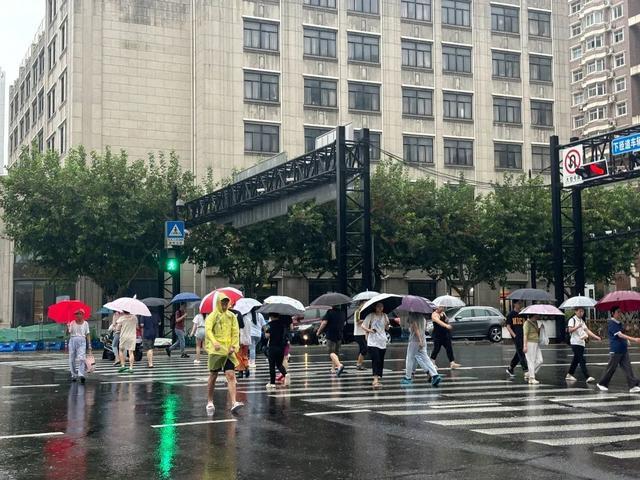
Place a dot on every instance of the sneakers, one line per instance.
(184, 355)
(82, 380)
(602, 388)
(591, 379)
(510, 372)
(360, 367)
(211, 409)
(435, 380)
(279, 378)
(270, 387)
(635, 389)
(286, 380)
(129, 370)
(454, 365)
(168, 350)
(339, 370)
(570, 377)
(526, 375)
(236, 406)
(122, 369)
(533, 381)
(406, 381)
(196, 362)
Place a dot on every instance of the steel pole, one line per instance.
(578, 241)
(341, 210)
(556, 216)
(367, 246)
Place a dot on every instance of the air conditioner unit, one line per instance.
(612, 123)
(610, 50)
(612, 98)
(611, 75)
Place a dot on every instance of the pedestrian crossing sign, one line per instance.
(174, 233)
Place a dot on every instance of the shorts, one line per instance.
(361, 340)
(148, 344)
(127, 344)
(334, 347)
(215, 363)
(200, 334)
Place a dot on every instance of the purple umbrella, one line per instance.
(541, 309)
(412, 303)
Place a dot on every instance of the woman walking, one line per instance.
(245, 342)
(257, 323)
(442, 336)
(198, 331)
(359, 337)
(417, 352)
(127, 340)
(579, 334)
(375, 326)
(115, 343)
(277, 336)
(531, 347)
(79, 338)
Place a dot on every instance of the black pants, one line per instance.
(361, 340)
(276, 357)
(519, 356)
(623, 360)
(578, 359)
(445, 342)
(377, 360)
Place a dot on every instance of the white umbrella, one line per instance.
(578, 302)
(245, 305)
(282, 305)
(128, 304)
(448, 301)
(363, 296)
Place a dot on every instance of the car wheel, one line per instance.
(495, 334)
(322, 339)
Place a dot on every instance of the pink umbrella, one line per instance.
(541, 309)
(209, 300)
(627, 300)
(128, 304)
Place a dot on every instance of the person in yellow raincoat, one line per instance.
(222, 342)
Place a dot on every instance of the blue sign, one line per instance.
(622, 145)
(174, 233)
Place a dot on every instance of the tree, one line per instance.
(94, 215)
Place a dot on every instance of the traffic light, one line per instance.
(592, 170)
(171, 263)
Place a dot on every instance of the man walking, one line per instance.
(515, 324)
(180, 316)
(79, 338)
(149, 333)
(222, 342)
(619, 354)
(127, 340)
(333, 323)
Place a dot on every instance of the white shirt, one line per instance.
(357, 325)
(378, 323)
(198, 321)
(78, 330)
(579, 335)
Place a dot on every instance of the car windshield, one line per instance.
(452, 311)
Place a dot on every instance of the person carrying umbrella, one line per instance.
(515, 324)
(150, 326)
(619, 353)
(375, 326)
(333, 323)
(79, 339)
(579, 333)
(442, 336)
(178, 328)
(222, 342)
(531, 347)
(277, 334)
(417, 351)
(128, 328)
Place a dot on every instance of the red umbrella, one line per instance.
(63, 312)
(627, 300)
(208, 301)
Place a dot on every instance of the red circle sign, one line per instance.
(572, 160)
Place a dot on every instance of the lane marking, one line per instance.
(622, 454)
(565, 442)
(457, 411)
(465, 405)
(31, 435)
(605, 403)
(203, 422)
(525, 419)
(336, 412)
(601, 396)
(32, 386)
(558, 428)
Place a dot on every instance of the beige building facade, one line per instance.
(453, 87)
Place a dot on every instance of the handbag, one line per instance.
(90, 363)
(544, 338)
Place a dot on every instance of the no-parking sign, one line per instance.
(572, 158)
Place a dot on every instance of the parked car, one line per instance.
(476, 322)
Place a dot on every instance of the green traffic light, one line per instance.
(172, 265)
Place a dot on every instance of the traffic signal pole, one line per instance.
(578, 241)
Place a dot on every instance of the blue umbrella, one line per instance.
(185, 297)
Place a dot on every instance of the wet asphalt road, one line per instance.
(478, 425)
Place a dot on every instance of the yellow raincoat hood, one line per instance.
(221, 327)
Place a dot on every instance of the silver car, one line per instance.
(476, 322)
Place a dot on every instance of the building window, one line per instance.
(53, 10)
(621, 109)
(618, 11)
(618, 36)
(540, 158)
(576, 52)
(541, 113)
(41, 62)
(593, 18)
(363, 48)
(619, 60)
(539, 24)
(51, 102)
(51, 142)
(576, 29)
(319, 43)
(417, 102)
(363, 96)
(63, 35)
(416, 54)
(595, 66)
(458, 152)
(34, 74)
(261, 138)
(261, 35)
(458, 106)
(507, 110)
(375, 143)
(261, 87)
(621, 84)
(416, 10)
(34, 112)
(62, 81)
(27, 86)
(578, 121)
(577, 75)
(52, 52)
(320, 93)
(456, 59)
(595, 41)
(598, 113)
(578, 98)
(505, 19)
(456, 12)
(62, 130)
(508, 155)
(41, 102)
(506, 65)
(40, 141)
(27, 121)
(321, 3)
(417, 149)
(364, 6)
(575, 7)
(596, 89)
(540, 69)
(310, 135)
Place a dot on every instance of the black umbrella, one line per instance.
(388, 300)
(331, 299)
(531, 294)
(155, 302)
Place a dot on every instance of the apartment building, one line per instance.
(3, 106)
(605, 65)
